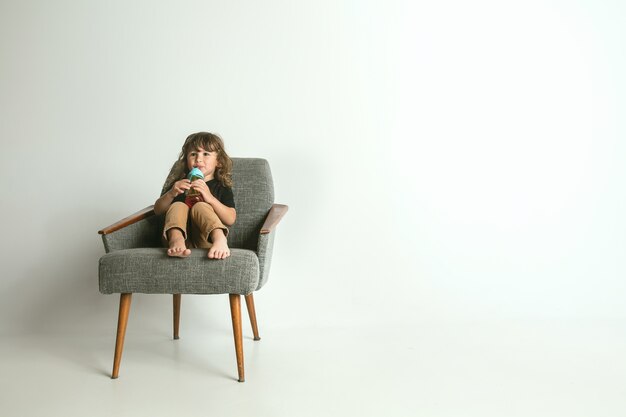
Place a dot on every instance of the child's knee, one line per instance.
(177, 207)
(202, 208)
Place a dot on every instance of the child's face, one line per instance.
(205, 161)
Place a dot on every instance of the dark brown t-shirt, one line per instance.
(222, 193)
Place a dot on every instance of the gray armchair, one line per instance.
(136, 262)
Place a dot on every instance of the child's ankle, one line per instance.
(175, 233)
(217, 234)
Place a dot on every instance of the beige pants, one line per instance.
(200, 220)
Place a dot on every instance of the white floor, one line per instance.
(506, 369)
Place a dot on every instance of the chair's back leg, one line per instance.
(235, 312)
(122, 321)
(176, 315)
(252, 314)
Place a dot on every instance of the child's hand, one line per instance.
(180, 187)
(203, 189)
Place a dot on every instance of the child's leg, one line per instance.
(209, 231)
(175, 229)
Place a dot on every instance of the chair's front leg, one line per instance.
(252, 314)
(235, 312)
(122, 321)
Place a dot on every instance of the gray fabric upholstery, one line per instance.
(254, 195)
(143, 234)
(264, 252)
(151, 271)
(136, 262)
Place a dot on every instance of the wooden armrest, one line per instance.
(276, 213)
(133, 218)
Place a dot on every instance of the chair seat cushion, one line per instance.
(152, 271)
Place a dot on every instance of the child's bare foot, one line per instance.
(177, 244)
(219, 250)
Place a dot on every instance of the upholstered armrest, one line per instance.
(266, 241)
(273, 218)
(127, 221)
(139, 230)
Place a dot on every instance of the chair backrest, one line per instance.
(253, 188)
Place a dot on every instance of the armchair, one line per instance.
(136, 262)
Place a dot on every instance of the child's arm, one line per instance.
(227, 215)
(165, 201)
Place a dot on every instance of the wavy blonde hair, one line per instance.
(210, 142)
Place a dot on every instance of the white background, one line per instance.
(443, 161)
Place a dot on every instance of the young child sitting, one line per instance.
(204, 224)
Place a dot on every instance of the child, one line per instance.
(212, 211)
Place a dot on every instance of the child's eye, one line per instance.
(206, 154)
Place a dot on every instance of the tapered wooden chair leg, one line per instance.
(176, 315)
(122, 321)
(252, 314)
(235, 312)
